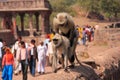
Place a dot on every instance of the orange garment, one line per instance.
(51, 36)
(8, 59)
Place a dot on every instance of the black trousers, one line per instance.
(24, 69)
(32, 65)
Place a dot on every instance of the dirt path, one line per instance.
(49, 75)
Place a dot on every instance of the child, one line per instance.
(7, 65)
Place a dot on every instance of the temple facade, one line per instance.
(10, 9)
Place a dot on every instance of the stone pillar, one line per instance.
(47, 24)
(43, 3)
(42, 26)
(22, 21)
(42, 23)
(37, 21)
(14, 29)
(31, 24)
(2, 22)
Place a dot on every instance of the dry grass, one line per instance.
(85, 21)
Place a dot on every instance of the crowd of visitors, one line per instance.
(23, 57)
(86, 33)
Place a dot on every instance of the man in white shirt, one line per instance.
(41, 50)
(50, 53)
(17, 63)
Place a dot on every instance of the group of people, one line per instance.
(86, 33)
(23, 56)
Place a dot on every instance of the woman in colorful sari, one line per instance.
(7, 65)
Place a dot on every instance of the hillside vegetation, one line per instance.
(105, 9)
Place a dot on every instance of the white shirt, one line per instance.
(1, 45)
(21, 54)
(17, 45)
(30, 48)
(50, 48)
(87, 29)
(32, 51)
(41, 52)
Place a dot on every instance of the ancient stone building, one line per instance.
(10, 9)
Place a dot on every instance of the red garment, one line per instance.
(8, 59)
(48, 36)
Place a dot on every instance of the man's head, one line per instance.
(22, 44)
(32, 41)
(41, 43)
(19, 38)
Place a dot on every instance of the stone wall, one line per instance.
(7, 36)
(20, 5)
(109, 37)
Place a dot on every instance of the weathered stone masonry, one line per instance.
(41, 9)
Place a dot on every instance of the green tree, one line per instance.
(110, 7)
(62, 5)
(89, 5)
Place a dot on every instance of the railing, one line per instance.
(18, 4)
